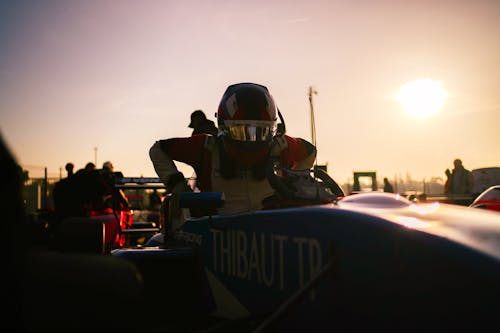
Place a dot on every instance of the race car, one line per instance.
(488, 199)
(112, 212)
(367, 261)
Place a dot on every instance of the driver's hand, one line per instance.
(181, 187)
(177, 183)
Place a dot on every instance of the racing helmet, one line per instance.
(247, 113)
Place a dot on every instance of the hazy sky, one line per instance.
(118, 75)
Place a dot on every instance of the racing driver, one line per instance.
(234, 162)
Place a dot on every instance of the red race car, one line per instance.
(488, 199)
(87, 198)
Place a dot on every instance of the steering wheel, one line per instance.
(300, 185)
(328, 182)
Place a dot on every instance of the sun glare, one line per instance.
(422, 98)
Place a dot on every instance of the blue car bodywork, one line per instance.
(366, 261)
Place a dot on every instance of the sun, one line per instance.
(422, 98)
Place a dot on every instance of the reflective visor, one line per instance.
(251, 131)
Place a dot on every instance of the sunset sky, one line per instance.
(118, 75)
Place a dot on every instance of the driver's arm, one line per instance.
(163, 153)
(163, 164)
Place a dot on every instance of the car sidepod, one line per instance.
(316, 267)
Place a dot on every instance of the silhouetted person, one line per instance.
(90, 166)
(79, 194)
(201, 125)
(388, 186)
(69, 169)
(459, 180)
(114, 197)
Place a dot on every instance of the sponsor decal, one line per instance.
(265, 257)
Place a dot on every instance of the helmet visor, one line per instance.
(251, 131)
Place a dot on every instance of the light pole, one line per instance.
(313, 128)
(95, 156)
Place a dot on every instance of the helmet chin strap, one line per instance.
(281, 127)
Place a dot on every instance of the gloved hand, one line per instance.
(177, 183)
(181, 187)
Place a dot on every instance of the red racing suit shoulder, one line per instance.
(186, 150)
(295, 153)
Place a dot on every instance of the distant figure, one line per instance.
(108, 167)
(459, 180)
(90, 166)
(388, 186)
(69, 169)
(201, 125)
(79, 194)
(115, 197)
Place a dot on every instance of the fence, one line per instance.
(37, 194)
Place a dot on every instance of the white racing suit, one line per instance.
(243, 191)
